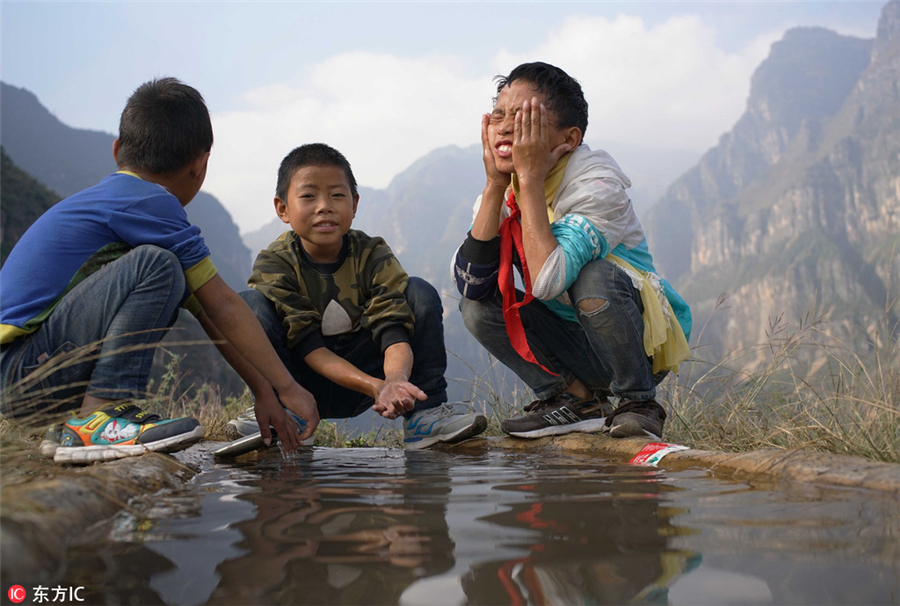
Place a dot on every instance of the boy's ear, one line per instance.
(199, 165)
(281, 210)
(116, 145)
(355, 204)
(574, 137)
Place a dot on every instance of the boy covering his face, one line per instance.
(595, 319)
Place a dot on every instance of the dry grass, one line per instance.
(490, 394)
(844, 403)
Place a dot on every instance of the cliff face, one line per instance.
(799, 206)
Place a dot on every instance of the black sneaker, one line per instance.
(563, 413)
(631, 418)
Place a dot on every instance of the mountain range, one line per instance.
(795, 209)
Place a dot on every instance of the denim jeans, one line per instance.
(604, 349)
(358, 348)
(100, 339)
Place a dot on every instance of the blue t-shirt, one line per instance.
(81, 233)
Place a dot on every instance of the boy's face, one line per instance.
(503, 117)
(320, 209)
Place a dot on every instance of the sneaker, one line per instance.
(563, 413)
(441, 424)
(245, 424)
(242, 425)
(631, 418)
(51, 441)
(123, 430)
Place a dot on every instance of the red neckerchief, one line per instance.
(511, 235)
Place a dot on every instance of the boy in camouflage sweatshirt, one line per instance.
(345, 318)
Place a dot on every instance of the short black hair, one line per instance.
(564, 95)
(311, 154)
(164, 127)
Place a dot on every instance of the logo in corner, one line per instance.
(17, 594)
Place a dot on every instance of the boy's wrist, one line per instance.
(492, 189)
(534, 180)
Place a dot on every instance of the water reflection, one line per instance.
(321, 537)
(592, 540)
(388, 527)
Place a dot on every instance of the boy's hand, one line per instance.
(270, 412)
(495, 178)
(396, 396)
(532, 155)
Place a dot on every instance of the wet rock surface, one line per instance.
(40, 519)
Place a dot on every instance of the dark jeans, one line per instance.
(100, 339)
(604, 349)
(358, 348)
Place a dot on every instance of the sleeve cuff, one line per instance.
(392, 335)
(200, 273)
(480, 252)
(309, 344)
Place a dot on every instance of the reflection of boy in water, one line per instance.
(597, 551)
(325, 543)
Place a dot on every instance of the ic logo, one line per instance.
(16, 594)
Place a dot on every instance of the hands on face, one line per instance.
(495, 178)
(532, 156)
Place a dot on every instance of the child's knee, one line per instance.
(423, 297)
(150, 260)
(263, 309)
(592, 305)
(477, 316)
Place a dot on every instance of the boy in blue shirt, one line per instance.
(344, 316)
(94, 283)
(595, 319)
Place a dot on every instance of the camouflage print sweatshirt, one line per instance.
(363, 289)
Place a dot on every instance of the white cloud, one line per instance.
(669, 87)
(665, 87)
(381, 111)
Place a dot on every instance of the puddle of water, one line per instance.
(372, 526)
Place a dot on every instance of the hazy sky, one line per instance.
(387, 82)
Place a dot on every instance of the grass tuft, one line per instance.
(808, 390)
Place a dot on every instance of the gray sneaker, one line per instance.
(631, 418)
(441, 424)
(245, 424)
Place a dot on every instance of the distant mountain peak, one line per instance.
(808, 75)
(889, 23)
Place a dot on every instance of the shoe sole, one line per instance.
(111, 452)
(586, 426)
(465, 433)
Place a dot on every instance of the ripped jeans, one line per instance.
(604, 349)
